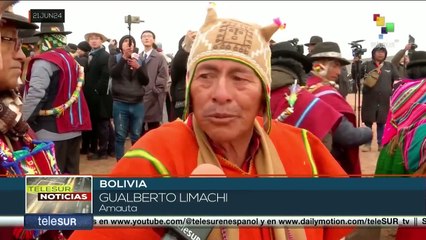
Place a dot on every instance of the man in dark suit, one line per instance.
(158, 74)
(98, 99)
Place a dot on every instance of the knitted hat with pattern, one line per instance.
(229, 39)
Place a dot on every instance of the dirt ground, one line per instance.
(368, 166)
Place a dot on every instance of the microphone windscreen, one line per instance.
(207, 170)
(202, 233)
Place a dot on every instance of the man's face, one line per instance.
(311, 47)
(226, 98)
(379, 55)
(126, 46)
(147, 39)
(12, 57)
(333, 68)
(95, 41)
(3, 6)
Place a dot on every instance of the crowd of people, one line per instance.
(234, 99)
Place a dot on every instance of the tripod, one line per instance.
(356, 75)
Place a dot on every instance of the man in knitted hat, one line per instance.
(228, 86)
(327, 63)
(53, 76)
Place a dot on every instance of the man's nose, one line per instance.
(221, 91)
(19, 55)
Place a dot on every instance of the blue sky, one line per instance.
(341, 22)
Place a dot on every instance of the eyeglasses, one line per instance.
(16, 41)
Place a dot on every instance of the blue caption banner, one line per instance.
(244, 196)
(12, 200)
(58, 221)
(270, 196)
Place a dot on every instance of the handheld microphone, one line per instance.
(191, 232)
(134, 56)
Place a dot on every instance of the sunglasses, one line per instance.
(16, 41)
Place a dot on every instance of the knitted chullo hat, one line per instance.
(229, 39)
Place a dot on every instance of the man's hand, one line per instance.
(189, 40)
(133, 63)
(127, 53)
(408, 46)
(356, 59)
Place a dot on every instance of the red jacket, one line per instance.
(175, 148)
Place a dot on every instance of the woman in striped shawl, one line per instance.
(404, 136)
(405, 131)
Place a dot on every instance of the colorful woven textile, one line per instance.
(408, 117)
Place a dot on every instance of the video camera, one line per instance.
(357, 50)
(294, 42)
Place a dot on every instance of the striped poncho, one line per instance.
(406, 123)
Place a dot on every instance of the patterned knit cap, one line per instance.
(52, 41)
(229, 39)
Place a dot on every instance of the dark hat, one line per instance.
(84, 46)
(288, 50)
(71, 47)
(52, 28)
(314, 40)
(328, 50)
(417, 58)
(19, 21)
(27, 36)
(26, 33)
(120, 43)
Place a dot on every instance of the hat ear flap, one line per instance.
(268, 31)
(211, 18)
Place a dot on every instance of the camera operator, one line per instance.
(400, 60)
(375, 97)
